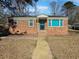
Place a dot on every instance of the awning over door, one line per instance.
(42, 16)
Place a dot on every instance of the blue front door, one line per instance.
(42, 24)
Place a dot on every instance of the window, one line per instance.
(30, 23)
(49, 23)
(55, 22)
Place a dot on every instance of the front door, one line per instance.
(42, 25)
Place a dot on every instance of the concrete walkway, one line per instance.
(42, 50)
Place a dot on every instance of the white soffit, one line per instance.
(42, 16)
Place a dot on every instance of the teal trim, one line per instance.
(49, 22)
(55, 22)
(61, 22)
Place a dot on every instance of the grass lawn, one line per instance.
(16, 49)
(62, 47)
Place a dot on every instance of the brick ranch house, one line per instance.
(42, 24)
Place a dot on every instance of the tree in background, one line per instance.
(35, 5)
(69, 7)
(56, 9)
(21, 5)
(10, 8)
(18, 7)
(3, 18)
(70, 11)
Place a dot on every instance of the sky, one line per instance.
(44, 7)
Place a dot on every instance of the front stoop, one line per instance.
(42, 33)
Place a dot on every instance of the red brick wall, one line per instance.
(22, 27)
(32, 30)
(59, 30)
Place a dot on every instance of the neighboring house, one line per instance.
(41, 24)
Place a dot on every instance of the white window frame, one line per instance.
(50, 22)
(55, 26)
(29, 23)
(62, 23)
